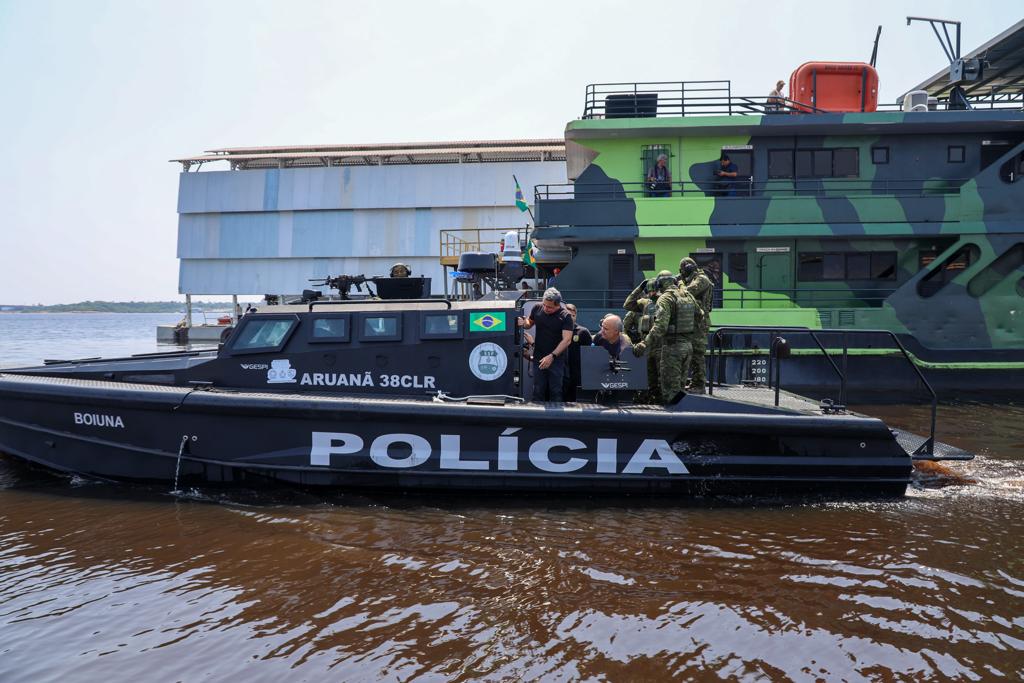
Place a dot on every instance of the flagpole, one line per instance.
(534, 220)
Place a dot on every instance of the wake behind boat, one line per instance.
(428, 394)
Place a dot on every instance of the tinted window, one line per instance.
(858, 266)
(955, 154)
(803, 163)
(847, 163)
(879, 155)
(883, 265)
(442, 323)
(957, 263)
(263, 334)
(811, 267)
(382, 326)
(822, 163)
(834, 267)
(645, 261)
(738, 267)
(780, 163)
(330, 328)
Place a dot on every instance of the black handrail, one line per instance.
(715, 98)
(748, 187)
(717, 353)
(336, 302)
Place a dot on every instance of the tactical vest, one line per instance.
(647, 321)
(683, 310)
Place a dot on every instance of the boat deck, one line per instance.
(765, 397)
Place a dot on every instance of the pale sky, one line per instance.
(97, 96)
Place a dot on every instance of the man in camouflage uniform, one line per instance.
(699, 286)
(641, 308)
(678, 315)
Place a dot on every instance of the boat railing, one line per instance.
(654, 99)
(455, 242)
(749, 187)
(681, 98)
(778, 349)
(825, 299)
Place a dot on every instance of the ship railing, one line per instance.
(681, 98)
(825, 299)
(993, 99)
(455, 242)
(748, 187)
(654, 99)
(778, 349)
(850, 297)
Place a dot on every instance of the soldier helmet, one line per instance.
(666, 280)
(400, 270)
(687, 266)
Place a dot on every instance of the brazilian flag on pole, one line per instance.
(520, 200)
(528, 254)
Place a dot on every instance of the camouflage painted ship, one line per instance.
(906, 218)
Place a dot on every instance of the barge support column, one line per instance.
(234, 309)
(188, 311)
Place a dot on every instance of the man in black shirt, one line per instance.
(580, 337)
(552, 338)
(727, 173)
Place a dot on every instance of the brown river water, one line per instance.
(99, 582)
(107, 583)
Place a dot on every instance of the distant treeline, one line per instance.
(118, 307)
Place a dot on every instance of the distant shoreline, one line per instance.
(119, 307)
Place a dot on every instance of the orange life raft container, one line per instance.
(835, 86)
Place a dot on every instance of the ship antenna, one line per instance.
(874, 50)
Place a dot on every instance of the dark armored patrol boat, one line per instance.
(427, 394)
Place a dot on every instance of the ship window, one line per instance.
(645, 261)
(858, 266)
(262, 335)
(381, 328)
(879, 155)
(780, 163)
(955, 154)
(851, 265)
(330, 328)
(803, 163)
(994, 273)
(883, 265)
(953, 266)
(1011, 171)
(649, 158)
(822, 163)
(842, 162)
(442, 326)
(738, 267)
(847, 163)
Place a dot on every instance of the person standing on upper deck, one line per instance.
(659, 178)
(552, 338)
(776, 101)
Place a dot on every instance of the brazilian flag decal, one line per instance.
(487, 322)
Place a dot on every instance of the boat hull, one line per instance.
(183, 437)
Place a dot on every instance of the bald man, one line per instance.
(610, 337)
